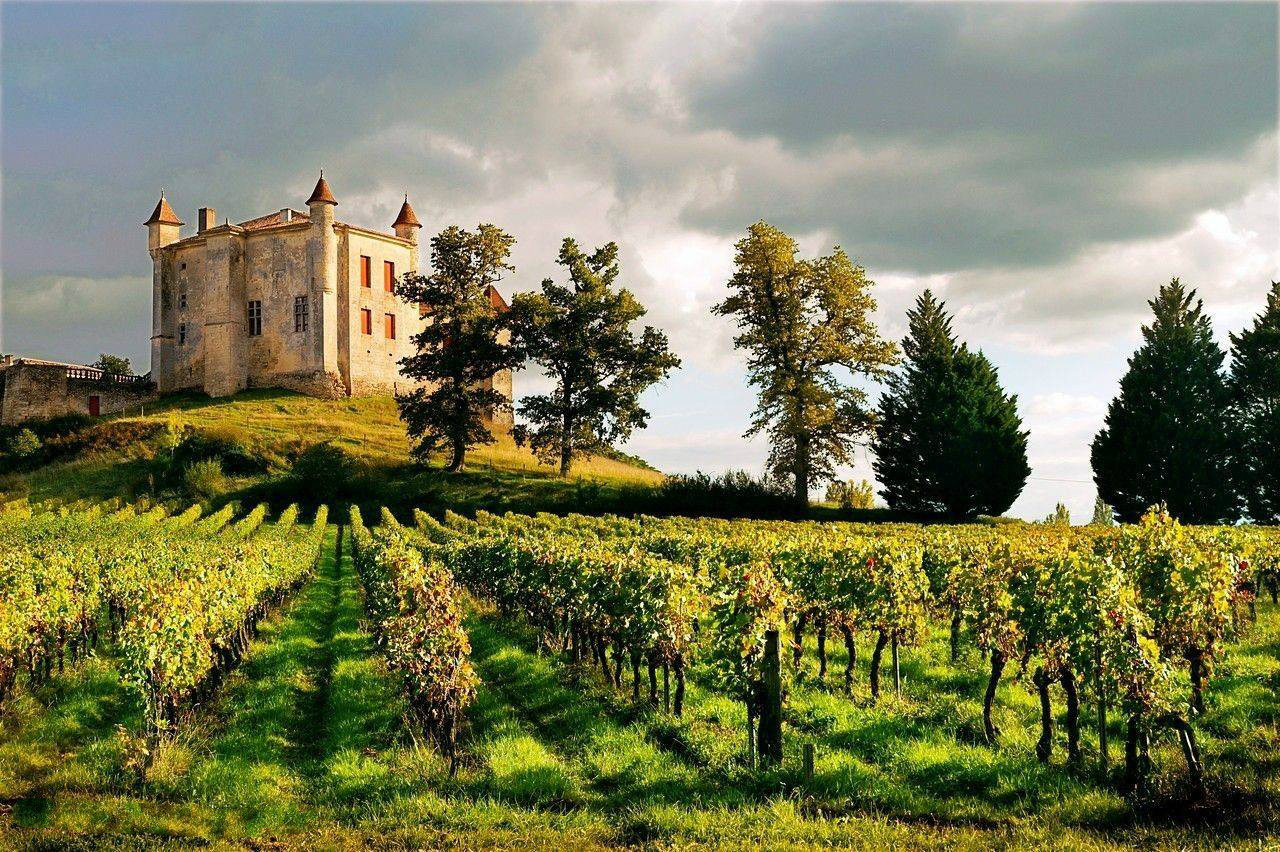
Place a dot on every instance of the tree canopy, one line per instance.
(1167, 435)
(462, 347)
(949, 439)
(799, 320)
(1255, 387)
(580, 335)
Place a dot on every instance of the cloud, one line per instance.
(77, 317)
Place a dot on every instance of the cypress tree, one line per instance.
(948, 438)
(1166, 436)
(1255, 386)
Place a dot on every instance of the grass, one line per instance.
(499, 476)
(303, 747)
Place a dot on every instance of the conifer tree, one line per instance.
(948, 438)
(1255, 386)
(798, 319)
(1103, 515)
(461, 348)
(580, 334)
(1166, 437)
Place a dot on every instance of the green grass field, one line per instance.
(303, 747)
(499, 477)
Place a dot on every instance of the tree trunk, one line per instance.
(635, 676)
(997, 668)
(852, 651)
(1044, 746)
(1190, 751)
(770, 738)
(822, 651)
(566, 438)
(459, 455)
(897, 669)
(1068, 680)
(1196, 657)
(955, 637)
(802, 471)
(881, 641)
(653, 678)
(797, 639)
(678, 707)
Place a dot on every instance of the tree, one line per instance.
(580, 335)
(1255, 387)
(798, 320)
(113, 365)
(1103, 515)
(851, 495)
(948, 438)
(1166, 437)
(463, 345)
(1059, 517)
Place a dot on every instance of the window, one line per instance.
(182, 299)
(299, 313)
(366, 271)
(366, 321)
(255, 318)
(390, 325)
(182, 334)
(182, 266)
(388, 276)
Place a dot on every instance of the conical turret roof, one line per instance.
(321, 194)
(163, 214)
(406, 216)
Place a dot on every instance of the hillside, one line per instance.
(126, 455)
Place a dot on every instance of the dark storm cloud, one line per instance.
(1057, 115)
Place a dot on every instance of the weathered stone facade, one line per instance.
(36, 390)
(293, 300)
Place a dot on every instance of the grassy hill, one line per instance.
(125, 456)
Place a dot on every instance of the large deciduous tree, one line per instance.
(798, 320)
(948, 439)
(1255, 386)
(1167, 437)
(580, 335)
(463, 345)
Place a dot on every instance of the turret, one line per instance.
(162, 230)
(162, 227)
(322, 262)
(406, 227)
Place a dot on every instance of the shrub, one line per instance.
(23, 445)
(233, 447)
(104, 437)
(205, 480)
(324, 472)
(732, 494)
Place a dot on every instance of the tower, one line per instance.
(406, 227)
(322, 265)
(162, 229)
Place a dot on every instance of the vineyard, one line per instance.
(602, 681)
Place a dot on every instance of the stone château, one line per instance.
(290, 299)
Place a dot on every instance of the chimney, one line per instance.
(206, 218)
(286, 214)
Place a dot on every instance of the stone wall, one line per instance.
(40, 391)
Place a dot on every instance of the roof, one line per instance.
(276, 218)
(406, 216)
(321, 194)
(495, 298)
(163, 214)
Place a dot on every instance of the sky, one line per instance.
(1043, 168)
